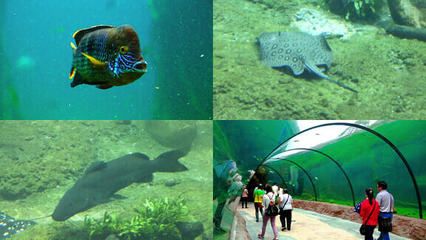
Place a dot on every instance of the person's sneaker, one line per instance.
(282, 229)
(259, 236)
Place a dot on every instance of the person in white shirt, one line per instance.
(386, 203)
(286, 208)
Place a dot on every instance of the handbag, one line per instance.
(363, 228)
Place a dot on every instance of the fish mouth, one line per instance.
(140, 66)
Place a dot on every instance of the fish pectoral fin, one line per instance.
(72, 73)
(104, 86)
(118, 197)
(94, 61)
(73, 46)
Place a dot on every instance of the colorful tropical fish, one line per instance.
(106, 56)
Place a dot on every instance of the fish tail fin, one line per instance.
(168, 161)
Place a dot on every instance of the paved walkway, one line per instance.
(307, 225)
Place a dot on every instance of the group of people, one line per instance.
(271, 201)
(378, 211)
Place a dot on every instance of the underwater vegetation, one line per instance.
(356, 9)
(157, 219)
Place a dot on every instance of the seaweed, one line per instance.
(156, 219)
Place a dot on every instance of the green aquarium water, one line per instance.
(363, 157)
(386, 70)
(42, 160)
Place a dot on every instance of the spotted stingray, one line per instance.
(10, 226)
(298, 51)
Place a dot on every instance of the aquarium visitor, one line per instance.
(386, 203)
(224, 176)
(286, 209)
(258, 197)
(244, 197)
(369, 212)
(270, 200)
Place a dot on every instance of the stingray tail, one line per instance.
(342, 85)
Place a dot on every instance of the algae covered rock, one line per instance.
(179, 135)
(403, 12)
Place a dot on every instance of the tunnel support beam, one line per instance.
(383, 138)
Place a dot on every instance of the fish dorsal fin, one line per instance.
(95, 166)
(78, 35)
(140, 156)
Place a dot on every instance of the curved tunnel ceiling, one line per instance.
(273, 156)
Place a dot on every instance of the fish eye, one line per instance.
(124, 49)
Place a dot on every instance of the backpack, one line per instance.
(272, 209)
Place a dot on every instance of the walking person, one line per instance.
(286, 209)
(386, 202)
(270, 201)
(244, 197)
(258, 198)
(370, 210)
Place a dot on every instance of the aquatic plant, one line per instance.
(156, 219)
(356, 9)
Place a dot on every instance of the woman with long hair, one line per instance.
(370, 210)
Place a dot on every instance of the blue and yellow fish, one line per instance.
(106, 56)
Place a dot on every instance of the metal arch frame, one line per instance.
(383, 138)
(334, 161)
(277, 172)
(307, 174)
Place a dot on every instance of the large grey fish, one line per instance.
(102, 179)
(298, 51)
(10, 226)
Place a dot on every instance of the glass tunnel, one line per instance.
(329, 161)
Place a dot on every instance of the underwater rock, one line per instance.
(404, 13)
(314, 22)
(172, 135)
(112, 237)
(171, 182)
(190, 230)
